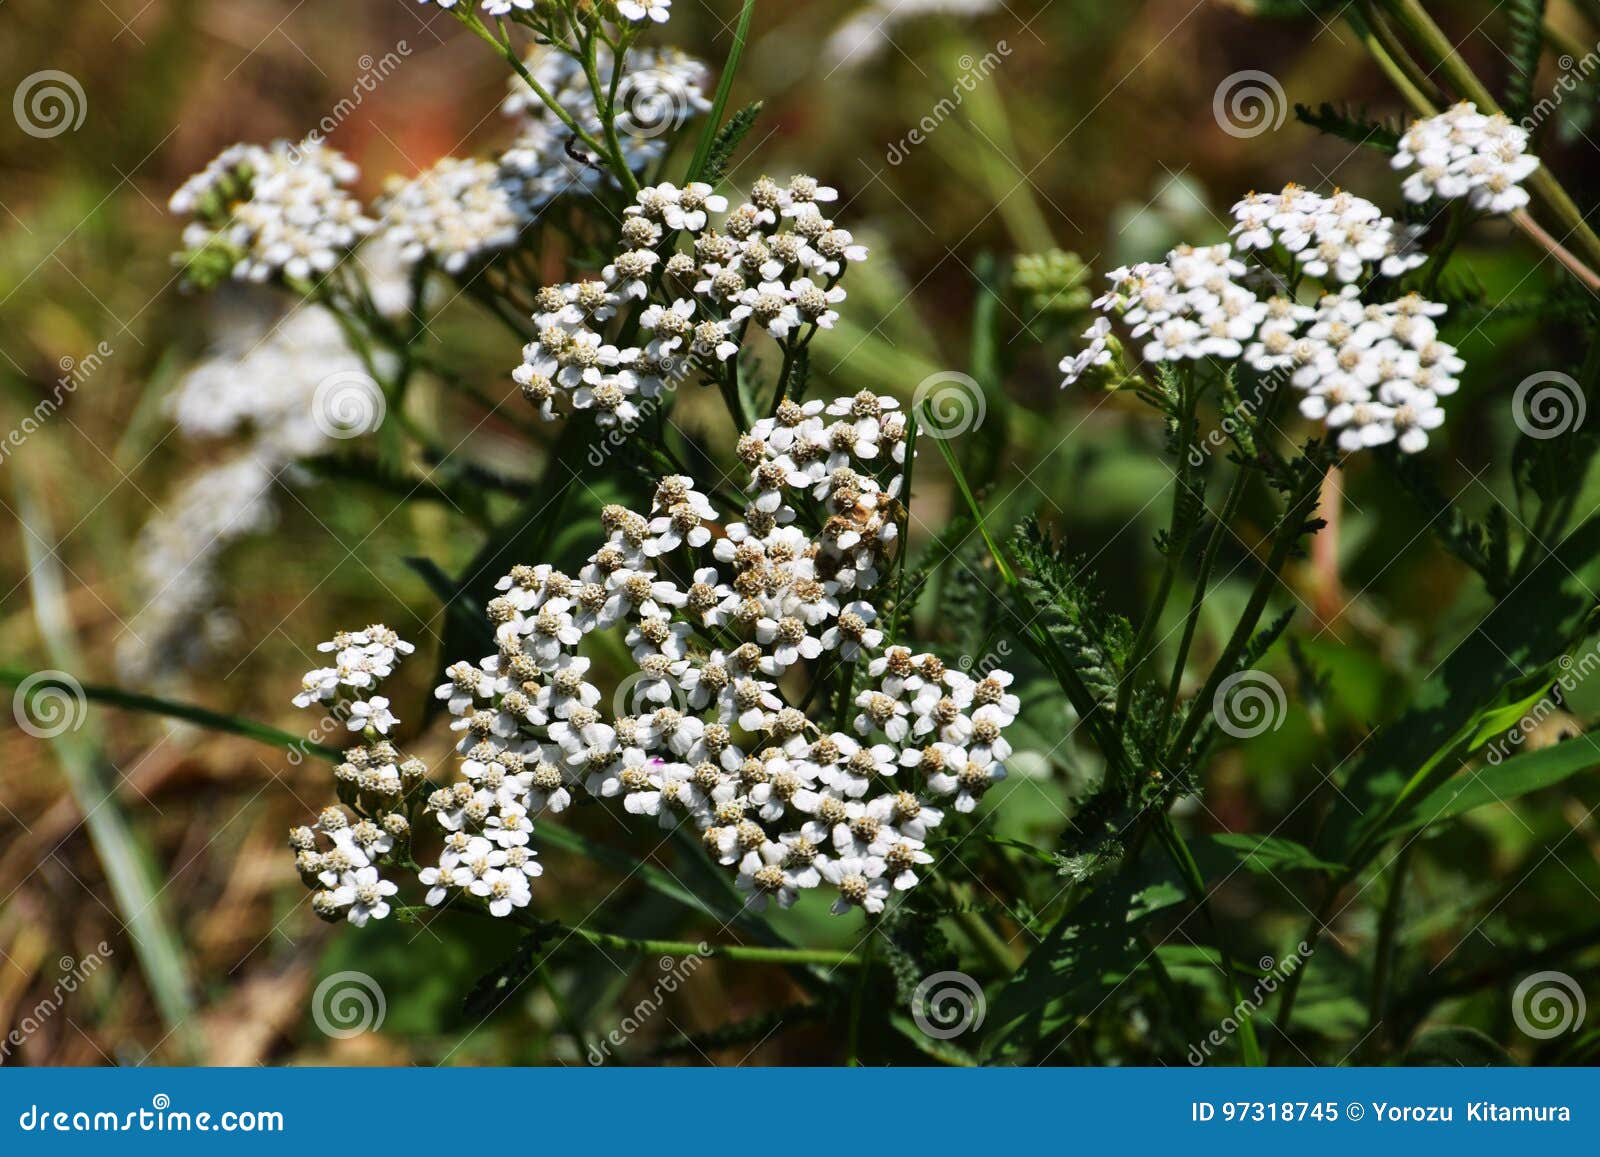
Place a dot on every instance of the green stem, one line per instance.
(1179, 531)
(858, 1000)
(1288, 534)
(719, 103)
(1383, 963)
(1202, 579)
(1460, 218)
(1414, 84)
(750, 953)
(1194, 880)
(152, 704)
(605, 99)
(465, 14)
(989, 943)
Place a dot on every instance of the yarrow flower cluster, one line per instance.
(454, 213)
(283, 208)
(660, 89)
(1372, 370)
(341, 859)
(774, 263)
(278, 209)
(636, 11)
(1340, 238)
(1465, 153)
(715, 614)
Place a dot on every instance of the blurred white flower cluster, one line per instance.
(260, 384)
(277, 209)
(658, 91)
(775, 262)
(1465, 153)
(262, 211)
(862, 36)
(1370, 364)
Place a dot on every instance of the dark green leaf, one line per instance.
(1456, 1047)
